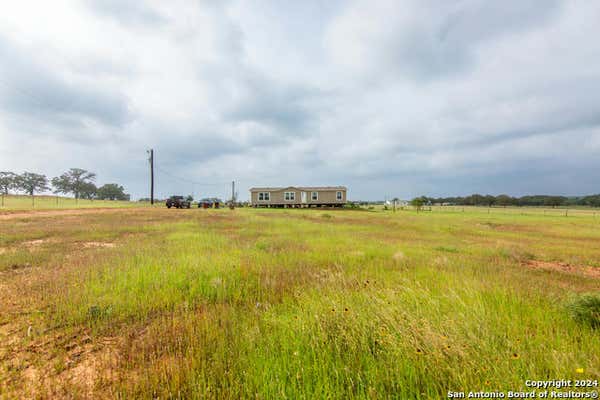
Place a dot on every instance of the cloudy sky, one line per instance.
(391, 98)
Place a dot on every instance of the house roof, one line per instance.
(305, 188)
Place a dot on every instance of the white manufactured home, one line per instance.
(298, 196)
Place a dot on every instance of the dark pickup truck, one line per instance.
(178, 202)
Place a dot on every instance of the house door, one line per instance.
(304, 196)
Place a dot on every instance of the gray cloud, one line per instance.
(286, 109)
(387, 97)
(434, 39)
(34, 93)
(186, 150)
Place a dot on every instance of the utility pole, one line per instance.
(151, 151)
(232, 194)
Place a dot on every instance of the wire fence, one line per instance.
(509, 210)
(47, 202)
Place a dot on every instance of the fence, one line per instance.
(45, 202)
(526, 210)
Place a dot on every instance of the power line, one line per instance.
(189, 180)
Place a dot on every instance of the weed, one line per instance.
(447, 249)
(585, 309)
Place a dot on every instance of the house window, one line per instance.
(264, 196)
(338, 195)
(289, 196)
(314, 196)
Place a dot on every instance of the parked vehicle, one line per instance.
(211, 202)
(178, 202)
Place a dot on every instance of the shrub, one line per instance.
(586, 309)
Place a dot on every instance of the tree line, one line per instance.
(75, 181)
(504, 200)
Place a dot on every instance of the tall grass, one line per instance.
(279, 304)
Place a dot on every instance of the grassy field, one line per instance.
(156, 303)
(42, 202)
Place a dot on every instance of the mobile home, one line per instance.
(298, 196)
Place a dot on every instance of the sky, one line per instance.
(389, 98)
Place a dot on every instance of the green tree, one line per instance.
(75, 180)
(504, 200)
(8, 181)
(593, 201)
(477, 199)
(489, 200)
(554, 201)
(112, 191)
(31, 183)
(88, 191)
(417, 203)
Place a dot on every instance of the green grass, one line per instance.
(43, 202)
(342, 304)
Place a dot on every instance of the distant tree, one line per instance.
(478, 200)
(31, 183)
(112, 191)
(88, 191)
(489, 200)
(504, 200)
(189, 198)
(417, 203)
(554, 201)
(75, 180)
(8, 181)
(592, 201)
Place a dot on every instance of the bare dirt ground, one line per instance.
(564, 268)
(41, 360)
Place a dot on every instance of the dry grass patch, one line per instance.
(563, 267)
(88, 245)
